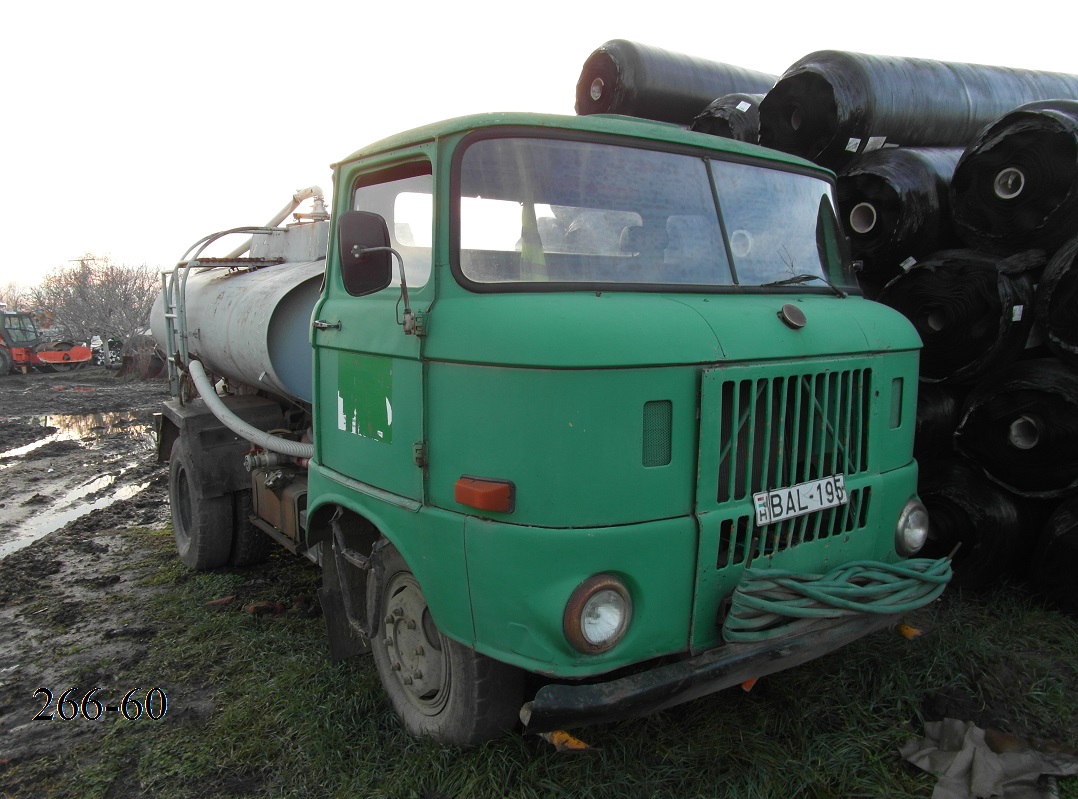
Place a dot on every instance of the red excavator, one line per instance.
(23, 347)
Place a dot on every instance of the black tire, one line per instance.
(202, 525)
(439, 688)
(6, 361)
(249, 544)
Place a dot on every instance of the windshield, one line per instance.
(20, 329)
(535, 211)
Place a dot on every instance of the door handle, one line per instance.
(318, 324)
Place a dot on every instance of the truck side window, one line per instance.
(403, 196)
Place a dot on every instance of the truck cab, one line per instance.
(597, 400)
(18, 337)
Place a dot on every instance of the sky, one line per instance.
(132, 129)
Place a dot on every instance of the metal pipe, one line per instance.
(261, 438)
(297, 198)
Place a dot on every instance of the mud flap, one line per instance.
(344, 602)
(344, 642)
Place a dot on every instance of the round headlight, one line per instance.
(912, 530)
(597, 614)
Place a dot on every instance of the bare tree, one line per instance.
(98, 297)
(14, 296)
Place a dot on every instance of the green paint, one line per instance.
(364, 396)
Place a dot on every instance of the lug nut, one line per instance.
(417, 674)
(419, 652)
(398, 612)
(396, 667)
(406, 680)
(410, 624)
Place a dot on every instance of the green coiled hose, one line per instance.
(772, 603)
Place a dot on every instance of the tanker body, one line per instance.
(561, 397)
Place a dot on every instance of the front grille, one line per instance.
(785, 430)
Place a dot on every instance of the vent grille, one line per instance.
(781, 431)
(658, 424)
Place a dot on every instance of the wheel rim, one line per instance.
(414, 646)
(182, 522)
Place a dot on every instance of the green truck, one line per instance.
(582, 417)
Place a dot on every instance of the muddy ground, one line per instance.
(77, 469)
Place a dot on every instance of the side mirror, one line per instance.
(364, 272)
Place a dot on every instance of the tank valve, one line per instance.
(277, 479)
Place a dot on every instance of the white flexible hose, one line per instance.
(295, 449)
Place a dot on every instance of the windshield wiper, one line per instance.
(805, 278)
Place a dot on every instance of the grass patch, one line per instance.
(256, 709)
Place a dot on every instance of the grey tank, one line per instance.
(252, 327)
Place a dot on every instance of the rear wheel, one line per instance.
(6, 361)
(440, 688)
(202, 525)
(249, 544)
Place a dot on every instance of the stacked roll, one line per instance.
(958, 187)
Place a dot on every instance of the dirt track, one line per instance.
(77, 468)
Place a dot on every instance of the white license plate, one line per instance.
(787, 503)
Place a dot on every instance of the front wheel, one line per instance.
(439, 688)
(60, 366)
(66, 366)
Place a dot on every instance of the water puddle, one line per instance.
(85, 428)
(91, 431)
(53, 519)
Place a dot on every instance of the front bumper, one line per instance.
(561, 706)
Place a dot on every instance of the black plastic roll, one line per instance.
(832, 105)
(1054, 571)
(732, 116)
(894, 205)
(966, 508)
(938, 409)
(623, 77)
(973, 311)
(1057, 302)
(1021, 426)
(1016, 186)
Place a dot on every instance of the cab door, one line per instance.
(368, 380)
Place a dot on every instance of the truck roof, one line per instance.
(633, 127)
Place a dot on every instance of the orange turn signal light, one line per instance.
(485, 494)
